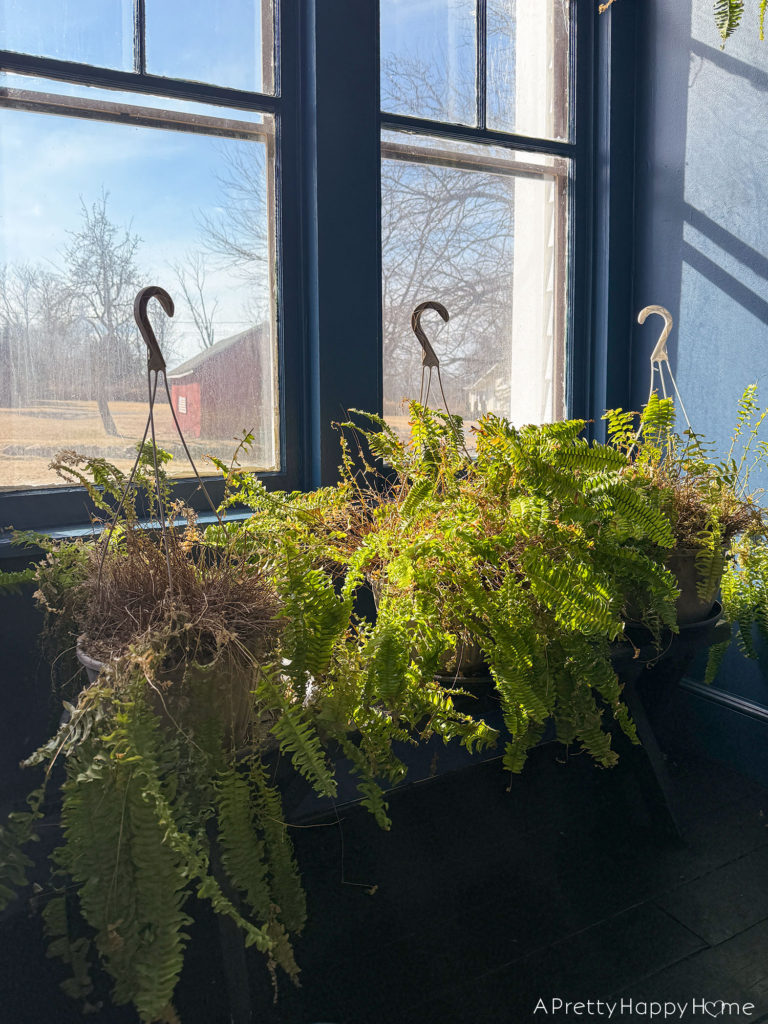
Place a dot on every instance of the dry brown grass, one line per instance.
(31, 437)
(215, 600)
(691, 515)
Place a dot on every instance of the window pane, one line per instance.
(88, 31)
(483, 231)
(428, 59)
(228, 43)
(527, 67)
(92, 213)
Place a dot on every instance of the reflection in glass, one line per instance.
(428, 60)
(87, 31)
(482, 230)
(94, 212)
(229, 43)
(527, 67)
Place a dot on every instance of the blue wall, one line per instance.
(702, 251)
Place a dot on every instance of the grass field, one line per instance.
(30, 438)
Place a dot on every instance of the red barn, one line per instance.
(228, 388)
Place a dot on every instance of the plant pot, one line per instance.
(691, 608)
(228, 691)
(638, 647)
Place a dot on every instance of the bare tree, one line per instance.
(238, 235)
(17, 287)
(103, 278)
(191, 276)
(40, 351)
(446, 234)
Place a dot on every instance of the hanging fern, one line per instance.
(131, 885)
(285, 885)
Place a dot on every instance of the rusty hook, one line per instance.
(428, 357)
(155, 360)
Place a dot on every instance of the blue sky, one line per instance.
(216, 42)
(159, 183)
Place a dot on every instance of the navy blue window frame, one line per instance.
(328, 128)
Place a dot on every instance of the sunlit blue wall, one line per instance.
(702, 222)
(702, 206)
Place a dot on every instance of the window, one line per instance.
(298, 176)
(476, 170)
(138, 145)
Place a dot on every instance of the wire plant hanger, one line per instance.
(430, 362)
(660, 356)
(155, 366)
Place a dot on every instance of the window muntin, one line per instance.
(482, 229)
(38, 94)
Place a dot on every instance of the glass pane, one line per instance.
(228, 43)
(428, 59)
(94, 212)
(483, 231)
(527, 67)
(88, 31)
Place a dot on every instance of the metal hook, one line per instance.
(155, 360)
(428, 357)
(659, 353)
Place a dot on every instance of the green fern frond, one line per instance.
(635, 506)
(130, 881)
(19, 831)
(388, 653)
(297, 738)
(657, 420)
(576, 596)
(516, 750)
(728, 14)
(710, 561)
(594, 458)
(370, 790)
(11, 582)
(284, 881)
(242, 849)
